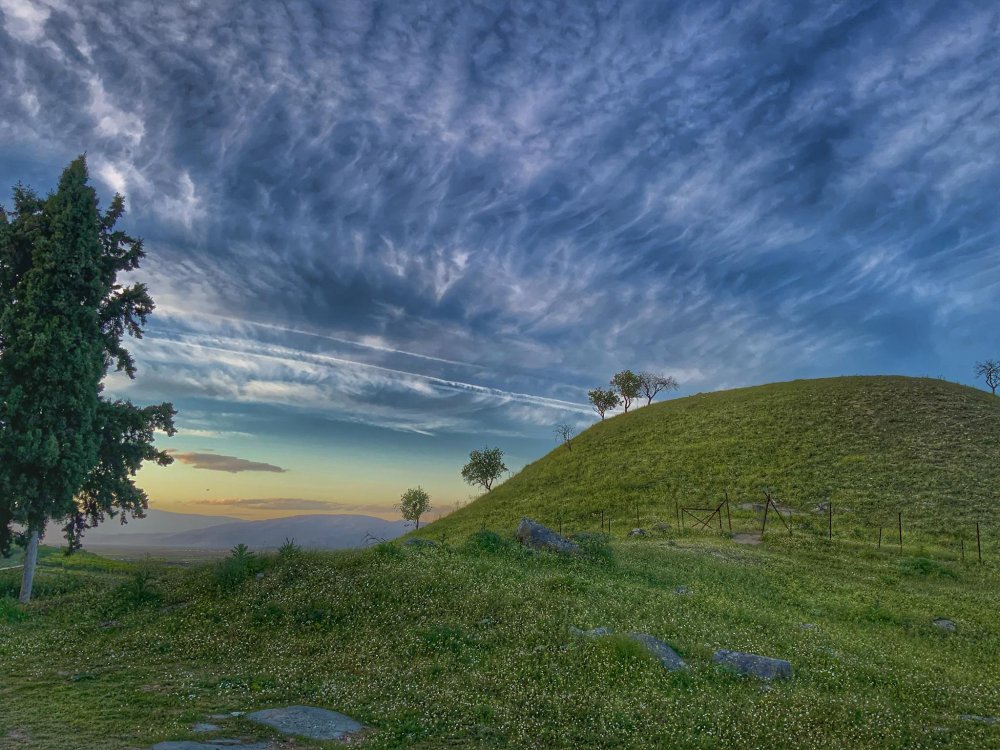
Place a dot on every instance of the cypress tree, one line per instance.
(67, 453)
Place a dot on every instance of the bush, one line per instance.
(237, 568)
(136, 593)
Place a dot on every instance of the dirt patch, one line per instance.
(750, 537)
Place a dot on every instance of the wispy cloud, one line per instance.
(459, 218)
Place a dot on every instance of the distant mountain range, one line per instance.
(164, 529)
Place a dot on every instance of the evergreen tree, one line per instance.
(65, 452)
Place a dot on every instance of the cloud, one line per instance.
(456, 220)
(219, 462)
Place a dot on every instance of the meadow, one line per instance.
(470, 645)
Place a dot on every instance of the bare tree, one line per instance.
(650, 384)
(603, 400)
(565, 432)
(990, 372)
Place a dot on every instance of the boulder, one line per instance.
(203, 727)
(752, 665)
(666, 655)
(637, 532)
(536, 536)
(661, 527)
(310, 722)
(944, 624)
(682, 590)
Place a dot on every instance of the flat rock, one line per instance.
(536, 536)
(981, 719)
(307, 721)
(752, 665)
(682, 590)
(593, 633)
(212, 745)
(944, 624)
(203, 726)
(666, 655)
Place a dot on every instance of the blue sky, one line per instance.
(383, 234)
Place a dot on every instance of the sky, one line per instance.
(381, 235)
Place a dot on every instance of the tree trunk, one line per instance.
(28, 574)
(418, 524)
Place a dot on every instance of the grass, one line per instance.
(468, 645)
(875, 446)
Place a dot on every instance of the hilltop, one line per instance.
(874, 446)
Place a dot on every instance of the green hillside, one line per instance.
(874, 445)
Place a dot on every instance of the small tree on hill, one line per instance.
(627, 383)
(565, 432)
(413, 504)
(990, 372)
(650, 384)
(484, 467)
(603, 400)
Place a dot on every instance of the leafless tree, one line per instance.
(565, 432)
(650, 384)
(990, 372)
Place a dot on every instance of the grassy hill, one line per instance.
(874, 445)
(470, 643)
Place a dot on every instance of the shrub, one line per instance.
(237, 568)
(135, 593)
(490, 542)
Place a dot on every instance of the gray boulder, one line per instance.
(666, 655)
(637, 532)
(536, 536)
(306, 721)
(762, 667)
(944, 624)
(991, 720)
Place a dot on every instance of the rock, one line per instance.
(536, 536)
(108, 624)
(421, 543)
(944, 624)
(667, 656)
(637, 532)
(307, 721)
(682, 590)
(807, 626)
(661, 527)
(593, 633)
(261, 576)
(225, 744)
(823, 508)
(202, 726)
(762, 667)
(981, 719)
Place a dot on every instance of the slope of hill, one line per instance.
(330, 531)
(874, 445)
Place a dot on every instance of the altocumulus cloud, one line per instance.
(219, 462)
